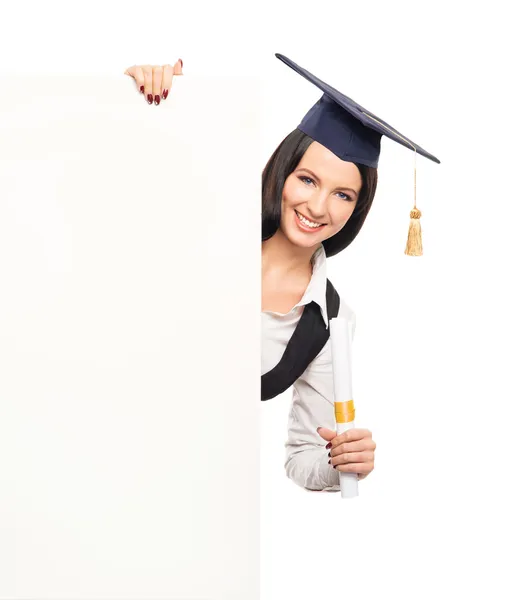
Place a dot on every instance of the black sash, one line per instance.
(305, 344)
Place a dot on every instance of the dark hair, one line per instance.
(281, 164)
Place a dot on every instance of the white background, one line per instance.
(438, 339)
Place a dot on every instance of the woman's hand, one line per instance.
(153, 80)
(351, 451)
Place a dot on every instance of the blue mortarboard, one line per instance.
(346, 128)
(354, 134)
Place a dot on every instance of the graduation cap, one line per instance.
(354, 134)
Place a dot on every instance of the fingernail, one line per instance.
(141, 89)
(150, 98)
(329, 462)
(157, 99)
(165, 94)
(181, 62)
(329, 445)
(329, 454)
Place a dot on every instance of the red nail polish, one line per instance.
(329, 453)
(150, 98)
(142, 89)
(181, 62)
(157, 99)
(165, 94)
(329, 462)
(329, 445)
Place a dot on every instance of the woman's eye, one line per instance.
(306, 179)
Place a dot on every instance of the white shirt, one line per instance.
(312, 394)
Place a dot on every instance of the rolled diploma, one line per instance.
(341, 351)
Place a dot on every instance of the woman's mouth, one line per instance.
(306, 225)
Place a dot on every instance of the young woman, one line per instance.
(317, 189)
(314, 204)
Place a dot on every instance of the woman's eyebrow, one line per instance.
(316, 177)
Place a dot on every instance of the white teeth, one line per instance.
(306, 221)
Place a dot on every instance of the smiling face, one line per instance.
(319, 197)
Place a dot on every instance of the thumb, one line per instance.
(326, 434)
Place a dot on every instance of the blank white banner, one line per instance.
(129, 339)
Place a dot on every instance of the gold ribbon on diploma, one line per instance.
(344, 411)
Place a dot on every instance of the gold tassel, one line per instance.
(414, 246)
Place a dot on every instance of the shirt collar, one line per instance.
(317, 288)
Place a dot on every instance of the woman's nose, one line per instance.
(317, 205)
